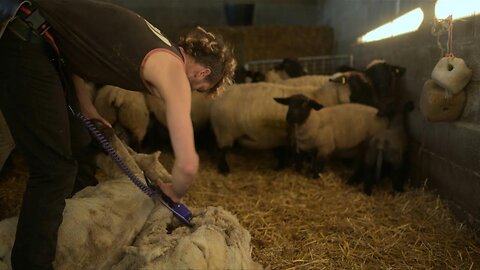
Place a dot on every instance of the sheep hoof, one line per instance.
(225, 170)
(354, 179)
(399, 190)
(368, 191)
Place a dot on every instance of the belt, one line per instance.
(29, 25)
(22, 30)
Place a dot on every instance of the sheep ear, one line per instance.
(398, 70)
(341, 79)
(315, 105)
(283, 101)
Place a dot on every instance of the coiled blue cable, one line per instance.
(178, 209)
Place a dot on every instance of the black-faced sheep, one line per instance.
(388, 149)
(361, 87)
(247, 114)
(242, 75)
(332, 129)
(292, 67)
(384, 78)
(288, 68)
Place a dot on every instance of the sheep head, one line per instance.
(299, 107)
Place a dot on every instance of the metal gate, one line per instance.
(312, 64)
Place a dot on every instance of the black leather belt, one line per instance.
(29, 25)
(22, 30)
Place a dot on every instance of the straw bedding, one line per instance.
(299, 223)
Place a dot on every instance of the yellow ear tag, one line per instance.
(344, 81)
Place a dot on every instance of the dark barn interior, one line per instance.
(300, 223)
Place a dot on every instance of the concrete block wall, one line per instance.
(446, 155)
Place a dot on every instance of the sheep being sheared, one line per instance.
(219, 242)
(337, 128)
(115, 226)
(98, 223)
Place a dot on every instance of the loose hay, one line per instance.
(299, 223)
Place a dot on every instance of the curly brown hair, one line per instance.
(212, 52)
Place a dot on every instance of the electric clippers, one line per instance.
(179, 210)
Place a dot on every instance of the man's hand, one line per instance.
(92, 114)
(84, 91)
(167, 189)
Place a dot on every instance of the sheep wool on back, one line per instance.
(339, 127)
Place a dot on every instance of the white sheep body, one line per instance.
(389, 146)
(312, 80)
(276, 76)
(339, 127)
(200, 109)
(393, 144)
(248, 113)
(128, 108)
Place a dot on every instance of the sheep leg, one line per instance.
(299, 157)
(398, 177)
(222, 164)
(318, 165)
(369, 179)
(359, 167)
(357, 175)
(282, 154)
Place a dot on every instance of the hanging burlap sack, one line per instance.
(452, 74)
(438, 104)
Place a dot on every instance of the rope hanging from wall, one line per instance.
(439, 28)
(442, 97)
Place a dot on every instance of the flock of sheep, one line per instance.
(362, 117)
(353, 113)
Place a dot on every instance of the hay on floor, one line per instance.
(300, 223)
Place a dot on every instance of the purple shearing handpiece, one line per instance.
(178, 209)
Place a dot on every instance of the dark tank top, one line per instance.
(102, 42)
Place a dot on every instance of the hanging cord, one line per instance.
(440, 27)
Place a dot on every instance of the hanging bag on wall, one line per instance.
(439, 104)
(442, 98)
(452, 74)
